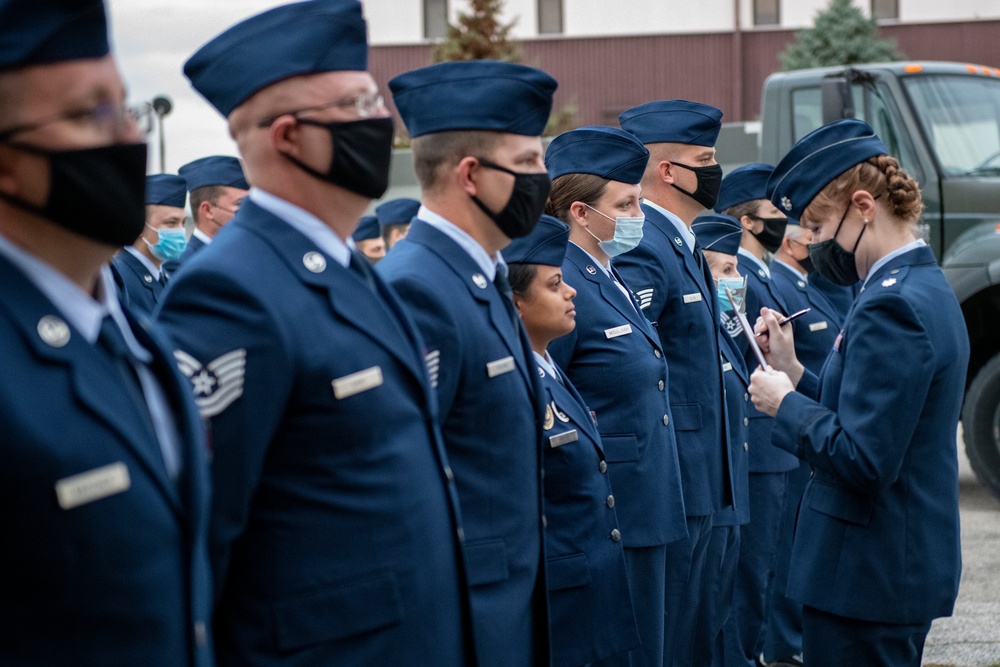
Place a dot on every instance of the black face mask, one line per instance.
(362, 152)
(832, 261)
(807, 264)
(773, 233)
(526, 203)
(98, 192)
(709, 183)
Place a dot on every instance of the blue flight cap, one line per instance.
(166, 190)
(474, 95)
(52, 31)
(292, 40)
(673, 121)
(721, 233)
(748, 183)
(367, 229)
(214, 170)
(397, 211)
(546, 244)
(818, 158)
(602, 151)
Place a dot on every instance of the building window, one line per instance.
(550, 17)
(765, 12)
(435, 19)
(885, 9)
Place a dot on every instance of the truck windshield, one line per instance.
(961, 117)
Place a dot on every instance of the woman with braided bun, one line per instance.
(876, 554)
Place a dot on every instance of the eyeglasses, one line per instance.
(106, 117)
(366, 105)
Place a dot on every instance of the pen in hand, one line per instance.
(793, 316)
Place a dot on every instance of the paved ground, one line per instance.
(971, 638)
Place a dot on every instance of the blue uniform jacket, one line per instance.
(334, 528)
(614, 358)
(680, 302)
(764, 456)
(816, 330)
(194, 245)
(841, 297)
(877, 537)
(590, 608)
(738, 404)
(142, 290)
(122, 579)
(490, 401)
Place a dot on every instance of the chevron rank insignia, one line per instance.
(645, 297)
(216, 384)
(433, 361)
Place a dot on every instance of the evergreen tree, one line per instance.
(841, 35)
(479, 35)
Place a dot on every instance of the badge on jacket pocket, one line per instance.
(563, 438)
(92, 485)
(818, 326)
(355, 383)
(500, 366)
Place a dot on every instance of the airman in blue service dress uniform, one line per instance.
(668, 273)
(590, 608)
(335, 534)
(814, 334)
(217, 185)
(616, 361)
(368, 239)
(137, 275)
(743, 197)
(394, 217)
(102, 470)
(719, 236)
(477, 152)
(876, 554)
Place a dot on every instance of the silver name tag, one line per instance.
(692, 298)
(727, 367)
(500, 366)
(817, 326)
(92, 485)
(355, 383)
(563, 438)
(623, 330)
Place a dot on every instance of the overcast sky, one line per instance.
(152, 40)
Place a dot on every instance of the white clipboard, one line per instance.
(747, 331)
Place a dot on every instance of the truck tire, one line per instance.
(981, 425)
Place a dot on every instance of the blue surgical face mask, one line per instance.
(171, 243)
(628, 233)
(738, 286)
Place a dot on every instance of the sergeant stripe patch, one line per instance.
(645, 297)
(433, 361)
(218, 383)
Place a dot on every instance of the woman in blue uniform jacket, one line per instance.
(719, 237)
(615, 359)
(590, 609)
(876, 554)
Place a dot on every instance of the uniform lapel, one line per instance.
(665, 227)
(569, 403)
(92, 376)
(141, 273)
(348, 294)
(610, 292)
(479, 286)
